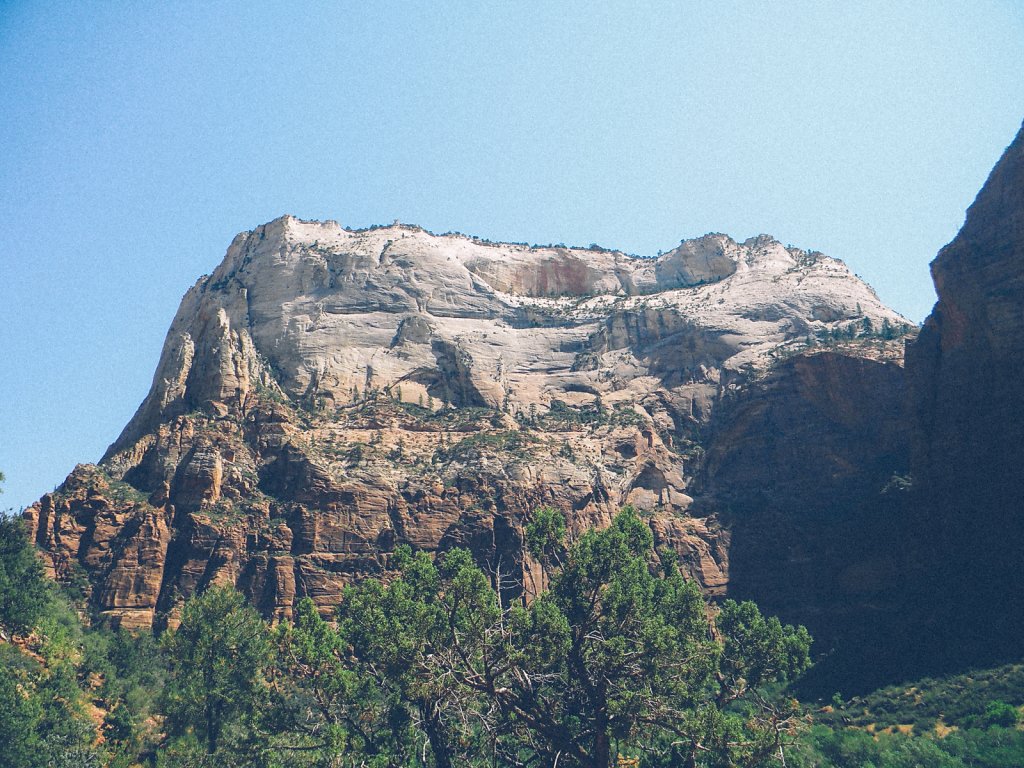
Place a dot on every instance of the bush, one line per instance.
(999, 713)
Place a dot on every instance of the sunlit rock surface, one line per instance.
(326, 395)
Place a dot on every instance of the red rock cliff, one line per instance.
(326, 395)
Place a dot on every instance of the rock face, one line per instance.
(966, 373)
(810, 465)
(326, 395)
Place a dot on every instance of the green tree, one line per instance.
(621, 656)
(621, 653)
(217, 657)
(20, 715)
(24, 590)
(545, 535)
(394, 631)
(322, 704)
(999, 713)
(66, 732)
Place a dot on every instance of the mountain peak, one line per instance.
(328, 392)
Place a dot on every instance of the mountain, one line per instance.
(327, 394)
(966, 377)
(945, 540)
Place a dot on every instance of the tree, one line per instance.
(999, 713)
(394, 631)
(218, 656)
(612, 649)
(545, 535)
(19, 717)
(321, 701)
(24, 590)
(65, 729)
(621, 653)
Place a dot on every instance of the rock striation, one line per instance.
(328, 394)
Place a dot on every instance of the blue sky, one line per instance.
(137, 138)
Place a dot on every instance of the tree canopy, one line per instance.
(620, 661)
(24, 590)
(622, 655)
(218, 656)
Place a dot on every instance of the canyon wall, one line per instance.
(326, 395)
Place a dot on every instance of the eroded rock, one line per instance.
(327, 395)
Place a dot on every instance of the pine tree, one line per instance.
(24, 590)
(218, 656)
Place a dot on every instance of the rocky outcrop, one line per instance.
(807, 469)
(326, 395)
(967, 398)
(107, 532)
(966, 365)
(830, 424)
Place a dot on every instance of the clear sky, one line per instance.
(137, 138)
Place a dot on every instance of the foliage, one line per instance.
(217, 656)
(320, 702)
(987, 748)
(444, 666)
(393, 631)
(959, 700)
(999, 713)
(480, 444)
(545, 534)
(42, 708)
(619, 654)
(43, 717)
(854, 748)
(621, 661)
(958, 720)
(862, 330)
(641, 663)
(24, 592)
(19, 719)
(858, 749)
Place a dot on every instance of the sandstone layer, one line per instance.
(327, 394)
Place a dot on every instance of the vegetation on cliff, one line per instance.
(620, 658)
(621, 661)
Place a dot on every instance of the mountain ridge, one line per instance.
(327, 394)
